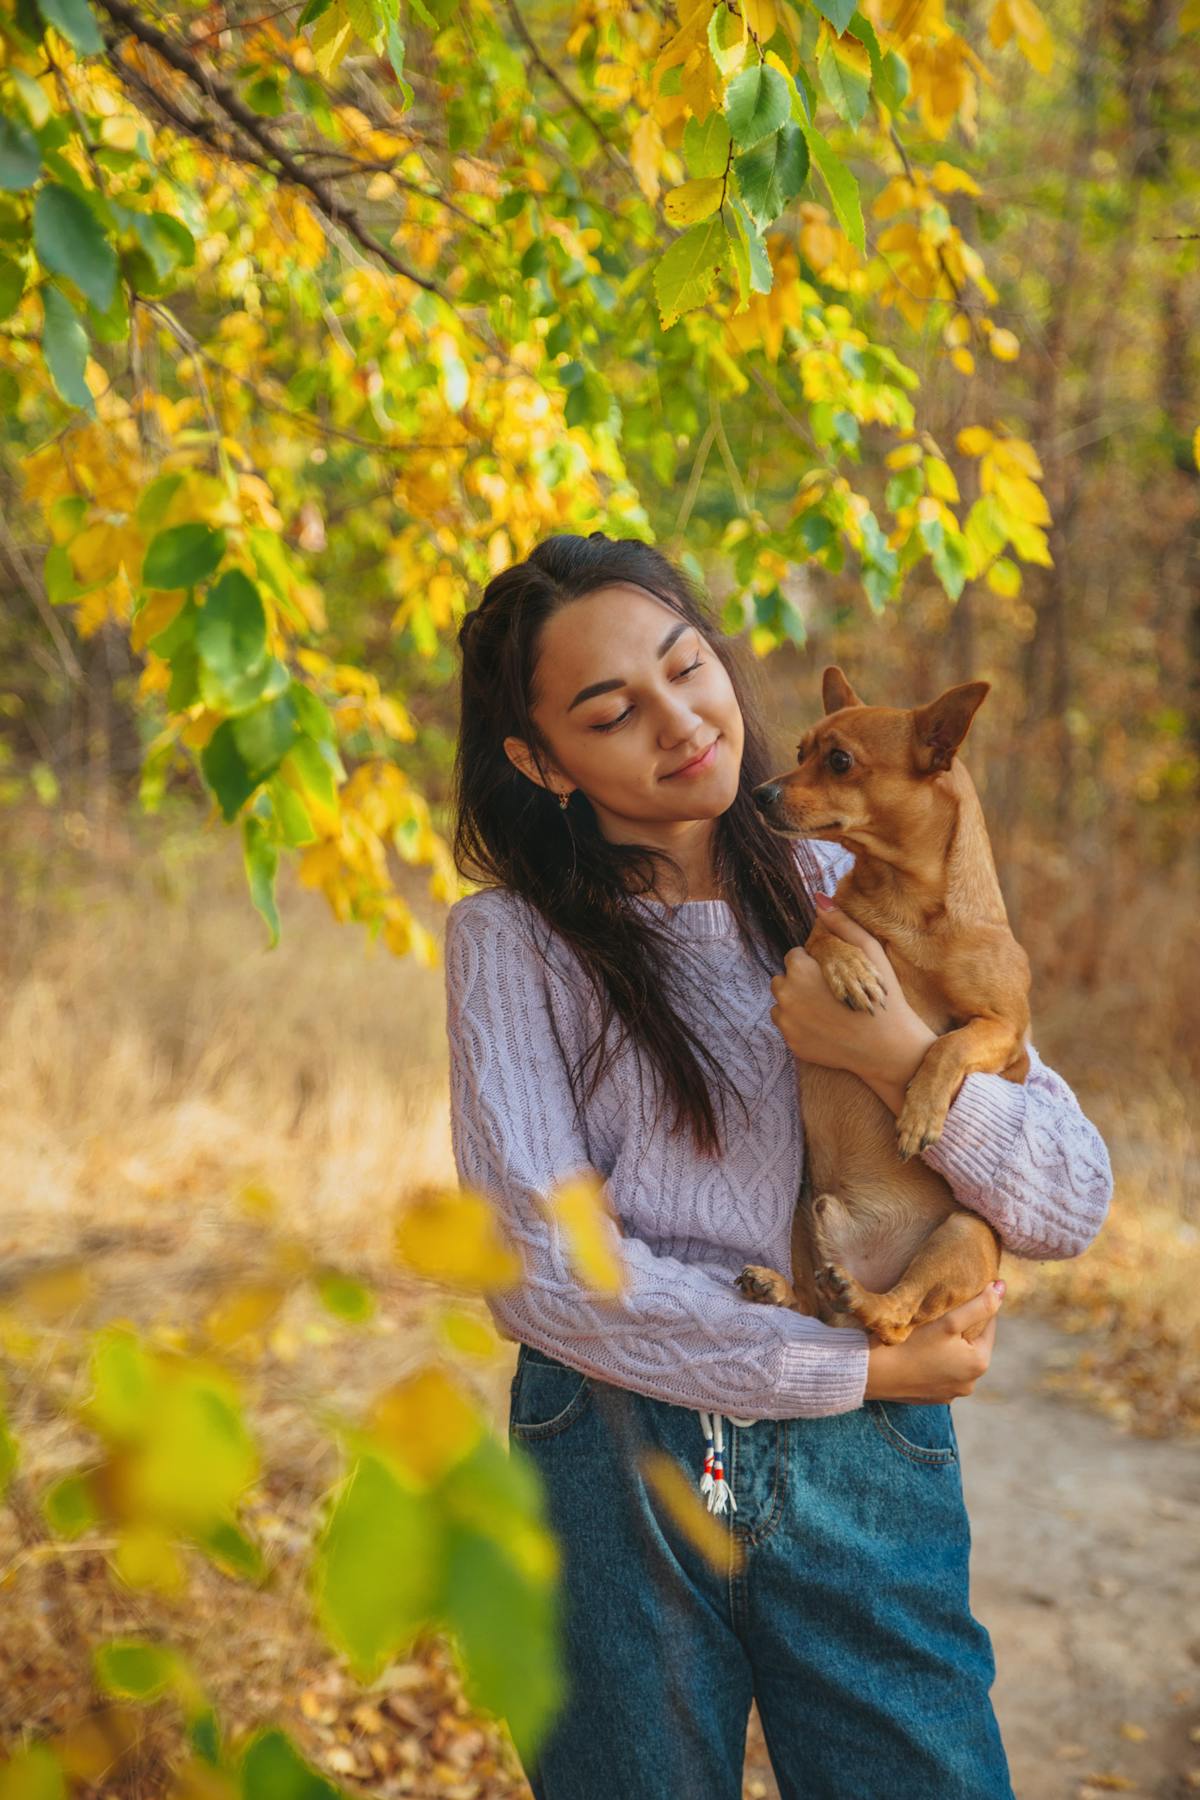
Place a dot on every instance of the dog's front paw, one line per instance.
(765, 1286)
(853, 977)
(920, 1120)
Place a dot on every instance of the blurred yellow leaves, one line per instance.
(454, 1236)
(680, 1500)
(581, 1210)
(425, 1425)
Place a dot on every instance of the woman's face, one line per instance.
(627, 695)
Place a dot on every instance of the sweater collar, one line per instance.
(692, 918)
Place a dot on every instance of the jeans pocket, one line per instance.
(924, 1434)
(546, 1397)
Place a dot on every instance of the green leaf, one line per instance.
(65, 348)
(8, 1455)
(843, 188)
(182, 555)
(684, 274)
(68, 1506)
(759, 272)
(273, 1769)
(291, 812)
(20, 156)
(891, 83)
(70, 241)
(225, 771)
(133, 1669)
(231, 628)
(265, 734)
(706, 145)
(76, 21)
(33, 1774)
(772, 174)
(379, 1566)
(12, 286)
(345, 1298)
(948, 554)
(756, 103)
(846, 87)
(227, 1545)
(838, 12)
(166, 240)
(261, 855)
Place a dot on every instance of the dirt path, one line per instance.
(1085, 1568)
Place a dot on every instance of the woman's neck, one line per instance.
(690, 844)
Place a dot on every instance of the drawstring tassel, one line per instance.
(713, 1485)
(706, 1479)
(712, 1482)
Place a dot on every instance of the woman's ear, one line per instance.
(521, 756)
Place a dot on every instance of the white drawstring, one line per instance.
(719, 1494)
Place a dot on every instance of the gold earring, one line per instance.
(563, 800)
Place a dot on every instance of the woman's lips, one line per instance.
(699, 765)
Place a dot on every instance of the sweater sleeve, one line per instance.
(1026, 1157)
(680, 1331)
(1023, 1155)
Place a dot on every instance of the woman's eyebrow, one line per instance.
(606, 687)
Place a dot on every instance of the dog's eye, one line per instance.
(840, 761)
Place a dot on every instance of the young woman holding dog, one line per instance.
(627, 993)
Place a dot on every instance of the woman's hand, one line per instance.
(884, 1048)
(939, 1361)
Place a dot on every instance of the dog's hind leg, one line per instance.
(956, 1262)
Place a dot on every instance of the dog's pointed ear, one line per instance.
(940, 727)
(836, 691)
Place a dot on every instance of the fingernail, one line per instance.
(1000, 1287)
(824, 902)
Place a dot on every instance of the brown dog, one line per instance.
(884, 1244)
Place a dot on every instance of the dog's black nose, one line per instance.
(766, 795)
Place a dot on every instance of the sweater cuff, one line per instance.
(823, 1374)
(982, 1125)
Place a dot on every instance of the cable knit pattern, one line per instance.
(519, 1012)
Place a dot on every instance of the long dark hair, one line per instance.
(511, 832)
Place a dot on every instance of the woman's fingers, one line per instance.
(974, 1317)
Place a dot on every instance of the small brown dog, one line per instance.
(884, 1244)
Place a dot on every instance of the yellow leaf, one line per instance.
(670, 1487)
(694, 200)
(973, 440)
(1196, 433)
(145, 1557)
(454, 1236)
(761, 17)
(646, 155)
(939, 478)
(580, 1207)
(469, 1334)
(426, 1424)
(1004, 578)
(905, 456)
(957, 332)
(963, 361)
(949, 180)
(245, 1310)
(1004, 346)
(155, 615)
(1015, 454)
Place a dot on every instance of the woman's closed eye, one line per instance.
(611, 724)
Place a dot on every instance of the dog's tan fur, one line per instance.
(884, 1244)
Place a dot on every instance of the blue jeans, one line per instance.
(849, 1621)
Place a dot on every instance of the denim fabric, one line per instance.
(849, 1622)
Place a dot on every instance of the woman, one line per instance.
(618, 999)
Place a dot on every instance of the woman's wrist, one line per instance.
(906, 1057)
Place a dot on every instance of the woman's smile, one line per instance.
(699, 765)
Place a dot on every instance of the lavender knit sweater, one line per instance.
(519, 1011)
